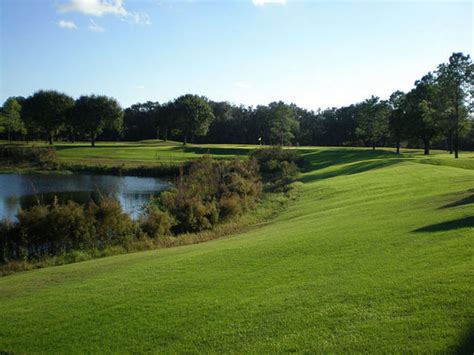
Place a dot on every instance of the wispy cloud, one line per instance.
(138, 18)
(94, 27)
(266, 2)
(104, 7)
(67, 25)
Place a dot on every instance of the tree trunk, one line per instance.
(450, 142)
(50, 139)
(456, 145)
(158, 133)
(185, 139)
(93, 142)
(398, 146)
(426, 142)
(166, 134)
(456, 134)
(373, 146)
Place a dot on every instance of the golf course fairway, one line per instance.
(375, 255)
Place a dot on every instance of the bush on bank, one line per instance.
(278, 166)
(212, 191)
(42, 157)
(45, 230)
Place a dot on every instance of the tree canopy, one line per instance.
(282, 123)
(193, 116)
(372, 120)
(47, 110)
(456, 80)
(10, 118)
(91, 114)
(141, 121)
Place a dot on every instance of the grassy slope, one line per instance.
(376, 255)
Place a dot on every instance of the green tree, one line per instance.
(10, 118)
(46, 110)
(282, 123)
(224, 126)
(397, 119)
(165, 119)
(193, 116)
(372, 120)
(423, 110)
(91, 114)
(260, 125)
(456, 79)
(140, 121)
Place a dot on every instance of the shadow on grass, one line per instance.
(449, 225)
(324, 158)
(351, 169)
(466, 345)
(464, 201)
(215, 151)
(99, 146)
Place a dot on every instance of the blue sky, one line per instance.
(316, 54)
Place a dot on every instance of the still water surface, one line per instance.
(22, 191)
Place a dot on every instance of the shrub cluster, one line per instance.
(211, 191)
(278, 166)
(44, 157)
(45, 230)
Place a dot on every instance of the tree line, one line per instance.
(435, 113)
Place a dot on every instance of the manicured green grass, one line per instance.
(150, 152)
(140, 153)
(158, 152)
(376, 255)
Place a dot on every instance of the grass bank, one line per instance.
(271, 205)
(375, 256)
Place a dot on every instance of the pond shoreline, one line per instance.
(45, 160)
(157, 171)
(271, 205)
(20, 191)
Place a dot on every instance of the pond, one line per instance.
(22, 191)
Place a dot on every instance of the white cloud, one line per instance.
(138, 87)
(265, 2)
(67, 24)
(94, 7)
(104, 7)
(94, 27)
